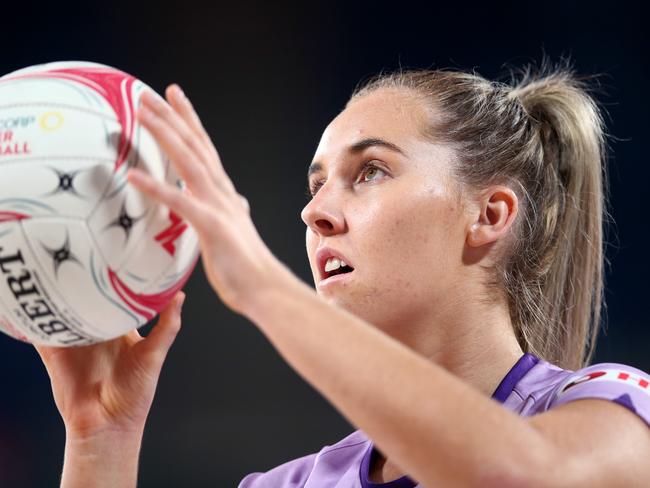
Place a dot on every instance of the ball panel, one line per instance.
(118, 222)
(34, 132)
(28, 305)
(114, 86)
(181, 245)
(146, 154)
(11, 269)
(64, 187)
(125, 223)
(181, 242)
(53, 92)
(166, 247)
(172, 280)
(76, 281)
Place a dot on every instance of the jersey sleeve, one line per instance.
(293, 474)
(625, 385)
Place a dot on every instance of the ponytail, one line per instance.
(566, 217)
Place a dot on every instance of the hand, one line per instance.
(110, 386)
(236, 260)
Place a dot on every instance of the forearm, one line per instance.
(109, 460)
(435, 427)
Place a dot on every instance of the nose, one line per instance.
(324, 214)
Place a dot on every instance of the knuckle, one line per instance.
(194, 144)
(166, 109)
(175, 198)
(204, 172)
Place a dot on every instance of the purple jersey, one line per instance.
(532, 386)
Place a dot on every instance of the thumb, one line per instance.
(153, 348)
(45, 353)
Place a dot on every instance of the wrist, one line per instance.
(277, 279)
(103, 437)
(272, 296)
(101, 459)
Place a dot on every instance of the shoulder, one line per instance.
(340, 459)
(619, 383)
(544, 386)
(594, 428)
(589, 425)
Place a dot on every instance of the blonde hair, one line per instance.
(542, 134)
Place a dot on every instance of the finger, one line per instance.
(153, 349)
(178, 200)
(47, 355)
(184, 109)
(45, 352)
(176, 122)
(182, 156)
(183, 106)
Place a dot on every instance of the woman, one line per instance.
(455, 225)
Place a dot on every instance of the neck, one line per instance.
(474, 342)
(480, 355)
(477, 345)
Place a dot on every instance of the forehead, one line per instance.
(390, 114)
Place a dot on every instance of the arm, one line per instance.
(104, 393)
(372, 379)
(459, 438)
(102, 460)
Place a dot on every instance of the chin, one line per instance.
(379, 317)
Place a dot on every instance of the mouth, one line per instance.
(332, 263)
(335, 267)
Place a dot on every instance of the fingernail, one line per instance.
(180, 91)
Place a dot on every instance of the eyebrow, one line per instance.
(358, 147)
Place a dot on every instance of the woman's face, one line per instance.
(386, 203)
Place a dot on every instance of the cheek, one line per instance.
(311, 241)
(420, 231)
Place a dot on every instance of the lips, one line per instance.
(325, 253)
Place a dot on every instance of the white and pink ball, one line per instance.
(84, 257)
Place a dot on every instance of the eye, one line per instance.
(371, 172)
(313, 187)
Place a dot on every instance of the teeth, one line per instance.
(332, 264)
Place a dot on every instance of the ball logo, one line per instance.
(37, 309)
(171, 234)
(50, 121)
(10, 145)
(13, 123)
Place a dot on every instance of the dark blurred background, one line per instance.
(267, 78)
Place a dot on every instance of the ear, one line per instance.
(498, 206)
